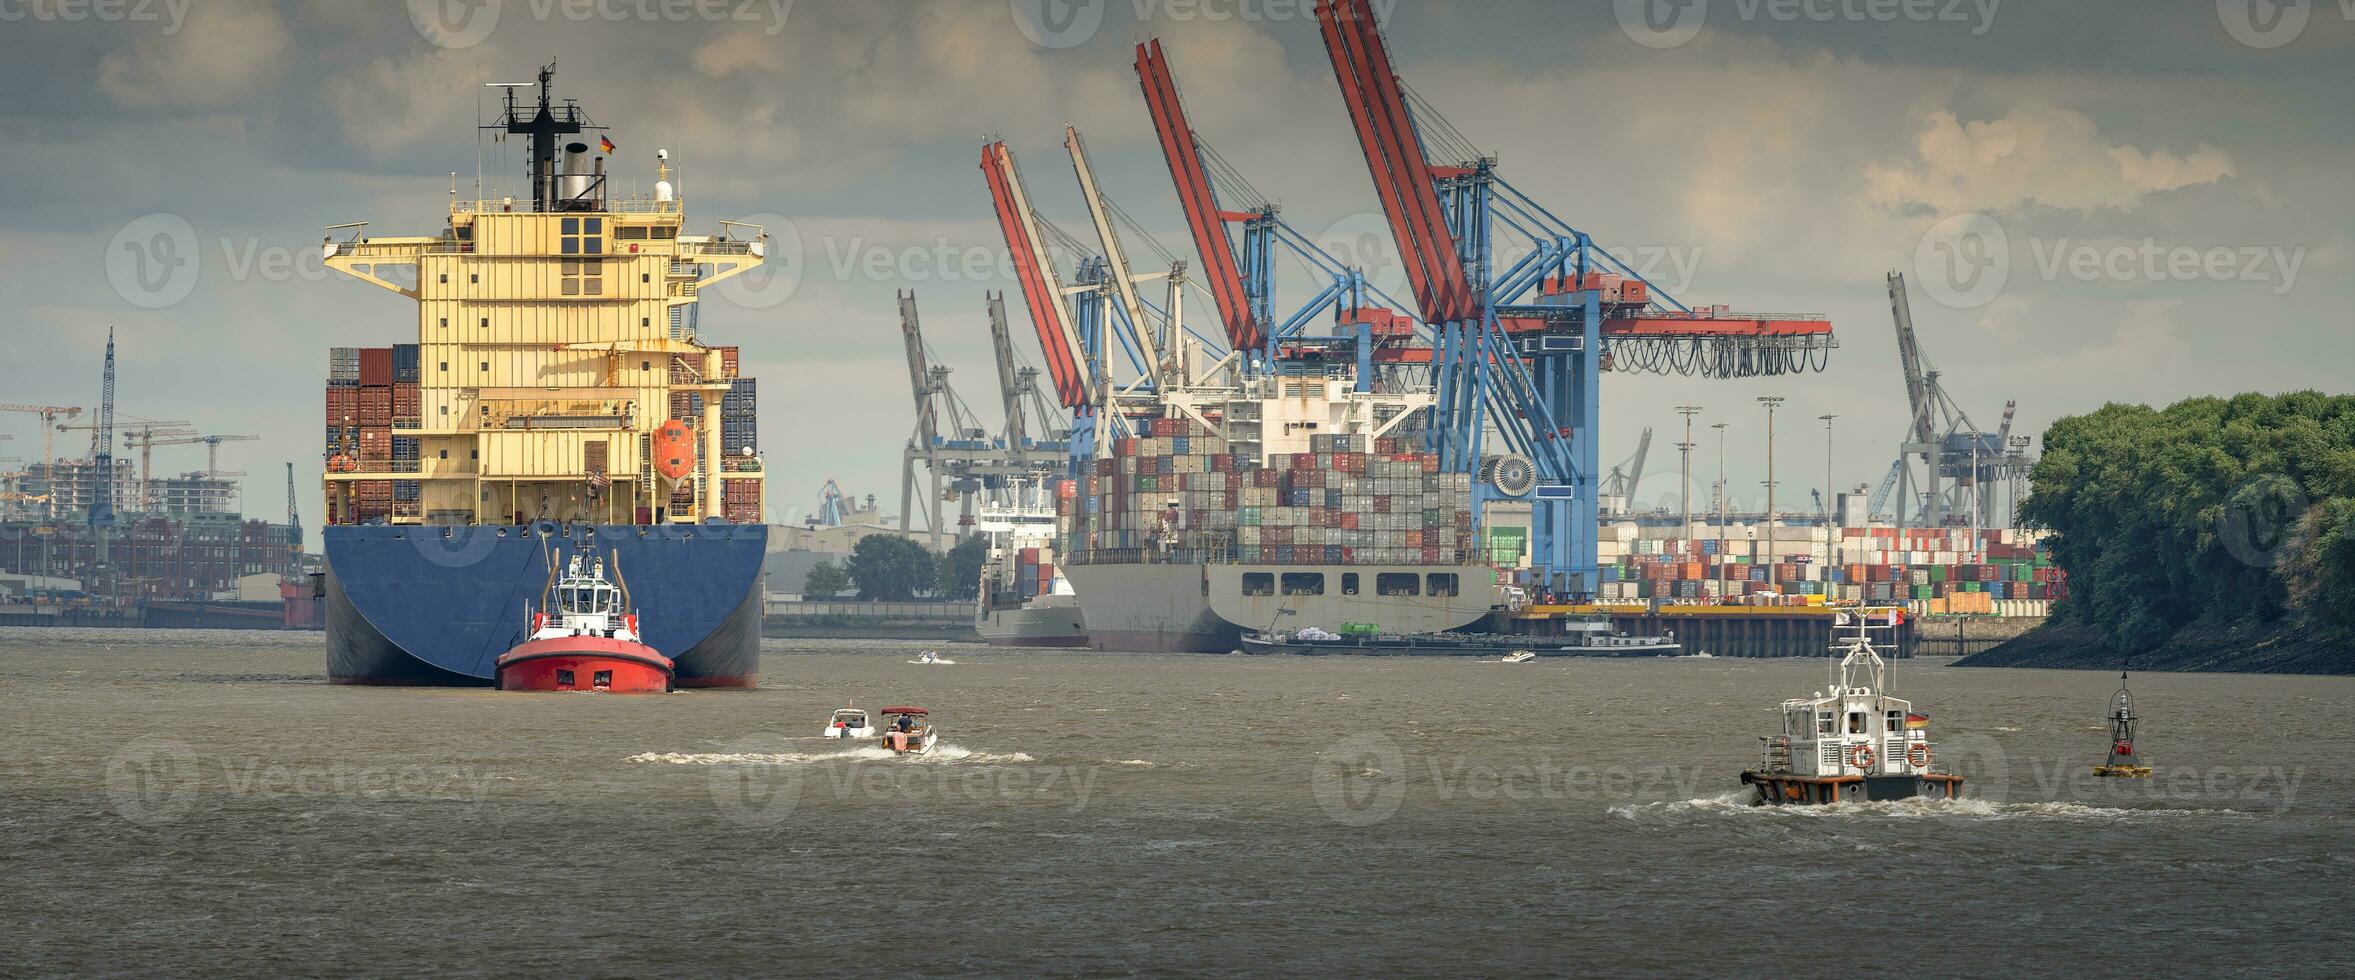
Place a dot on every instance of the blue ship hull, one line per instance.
(409, 605)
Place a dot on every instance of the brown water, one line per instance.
(193, 801)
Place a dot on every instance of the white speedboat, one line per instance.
(1518, 657)
(929, 657)
(850, 722)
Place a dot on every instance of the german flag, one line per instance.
(1915, 719)
(607, 144)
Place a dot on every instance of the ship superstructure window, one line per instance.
(584, 277)
(1397, 583)
(1259, 583)
(1304, 583)
(1348, 583)
(1442, 583)
(582, 236)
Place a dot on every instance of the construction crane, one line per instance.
(1620, 485)
(1961, 464)
(212, 450)
(143, 435)
(102, 455)
(49, 414)
(1520, 349)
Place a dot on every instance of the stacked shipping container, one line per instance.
(370, 392)
(1945, 568)
(1337, 504)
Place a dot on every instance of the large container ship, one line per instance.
(1293, 500)
(557, 391)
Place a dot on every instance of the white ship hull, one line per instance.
(1047, 621)
(1207, 608)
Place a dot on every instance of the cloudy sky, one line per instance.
(2096, 201)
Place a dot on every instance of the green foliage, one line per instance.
(959, 575)
(890, 568)
(2210, 509)
(825, 580)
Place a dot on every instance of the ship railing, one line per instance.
(368, 250)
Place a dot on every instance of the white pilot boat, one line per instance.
(850, 722)
(1852, 741)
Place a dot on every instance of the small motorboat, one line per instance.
(2123, 763)
(1519, 657)
(1851, 741)
(584, 638)
(908, 731)
(929, 657)
(849, 722)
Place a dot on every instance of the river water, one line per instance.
(202, 801)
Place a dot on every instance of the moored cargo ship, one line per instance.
(1024, 599)
(557, 391)
(1293, 500)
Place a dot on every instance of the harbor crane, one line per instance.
(957, 450)
(1019, 390)
(1961, 465)
(1520, 349)
(1620, 485)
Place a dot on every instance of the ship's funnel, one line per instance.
(575, 183)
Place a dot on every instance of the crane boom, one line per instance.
(1183, 151)
(1124, 285)
(1058, 333)
(1394, 159)
(1635, 469)
(919, 373)
(1909, 355)
(1001, 342)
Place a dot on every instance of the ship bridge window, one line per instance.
(1823, 723)
(1304, 583)
(630, 233)
(1856, 723)
(1442, 583)
(1397, 583)
(1259, 583)
(1895, 722)
(582, 236)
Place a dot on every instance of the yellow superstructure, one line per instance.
(552, 345)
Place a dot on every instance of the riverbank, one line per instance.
(2280, 648)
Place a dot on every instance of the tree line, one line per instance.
(891, 568)
(2220, 511)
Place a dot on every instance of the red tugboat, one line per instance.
(589, 643)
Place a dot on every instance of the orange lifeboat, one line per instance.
(674, 450)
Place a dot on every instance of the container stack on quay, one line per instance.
(1339, 504)
(1932, 570)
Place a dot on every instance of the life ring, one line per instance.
(1862, 757)
(1919, 754)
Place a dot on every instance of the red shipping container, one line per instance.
(405, 402)
(375, 366)
(343, 406)
(375, 406)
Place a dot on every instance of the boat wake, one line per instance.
(1741, 804)
(946, 752)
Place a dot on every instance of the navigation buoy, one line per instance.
(2122, 762)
